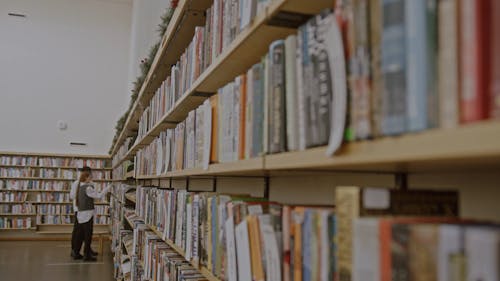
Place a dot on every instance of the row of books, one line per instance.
(16, 209)
(18, 160)
(69, 162)
(415, 65)
(53, 197)
(15, 223)
(51, 161)
(54, 209)
(246, 238)
(224, 21)
(14, 185)
(122, 151)
(161, 262)
(17, 172)
(13, 196)
(54, 219)
(68, 219)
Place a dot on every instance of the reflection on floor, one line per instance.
(50, 261)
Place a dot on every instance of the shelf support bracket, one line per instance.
(170, 183)
(187, 184)
(202, 94)
(214, 184)
(288, 19)
(401, 181)
(266, 187)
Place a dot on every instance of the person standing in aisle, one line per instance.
(85, 195)
(77, 233)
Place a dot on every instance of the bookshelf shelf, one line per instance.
(17, 229)
(64, 203)
(33, 190)
(417, 152)
(49, 167)
(237, 58)
(17, 215)
(47, 179)
(247, 167)
(10, 153)
(130, 197)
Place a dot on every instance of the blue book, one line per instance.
(394, 93)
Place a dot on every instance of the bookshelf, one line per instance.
(465, 158)
(44, 192)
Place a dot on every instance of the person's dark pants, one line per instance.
(76, 236)
(88, 229)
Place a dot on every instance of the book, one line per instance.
(276, 97)
(376, 29)
(243, 251)
(420, 40)
(291, 95)
(495, 60)
(393, 67)
(448, 76)
(474, 59)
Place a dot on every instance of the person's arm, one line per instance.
(93, 193)
(72, 193)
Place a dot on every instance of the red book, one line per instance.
(475, 28)
(495, 59)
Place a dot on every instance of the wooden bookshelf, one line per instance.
(47, 179)
(64, 203)
(179, 33)
(203, 270)
(17, 215)
(55, 155)
(33, 190)
(131, 197)
(50, 167)
(417, 152)
(17, 229)
(247, 167)
(237, 58)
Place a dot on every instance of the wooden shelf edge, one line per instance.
(50, 167)
(253, 166)
(58, 155)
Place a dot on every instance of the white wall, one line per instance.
(146, 16)
(67, 60)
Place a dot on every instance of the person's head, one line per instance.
(85, 174)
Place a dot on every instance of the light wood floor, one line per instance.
(51, 261)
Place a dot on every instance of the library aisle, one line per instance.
(50, 261)
(250, 140)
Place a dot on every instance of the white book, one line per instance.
(189, 228)
(270, 249)
(481, 250)
(292, 118)
(207, 141)
(243, 252)
(231, 250)
(236, 115)
(366, 250)
(248, 111)
(265, 134)
(247, 12)
(450, 243)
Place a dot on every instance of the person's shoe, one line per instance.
(94, 253)
(76, 256)
(90, 258)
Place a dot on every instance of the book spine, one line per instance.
(474, 52)
(347, 202)
(291, 93)
(277, 97)
(448, 90)
(242, 117)
(416, 61)
(393, 68)
(362, 87)
(432, 62)
(400, 256)
(495, 60)
(300, 91)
